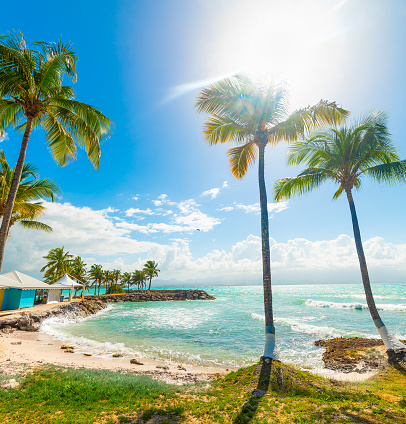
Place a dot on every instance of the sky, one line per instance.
(161, 192)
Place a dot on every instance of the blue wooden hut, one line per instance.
(19, 290)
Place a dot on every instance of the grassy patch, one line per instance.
(274, 393)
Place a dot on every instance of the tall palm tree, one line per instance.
(138, 278)
(96, 274)
(150, 271)
(253, 115)
(345, 155)
(26, 208)
(32, 96)
(59, 262)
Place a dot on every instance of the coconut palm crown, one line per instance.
(32, 95)
(31, 191)
(150, 271)
(253, 115)
(345, 156)
(58, 263)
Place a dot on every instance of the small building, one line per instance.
(20, 290)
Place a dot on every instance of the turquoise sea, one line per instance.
(229, 331)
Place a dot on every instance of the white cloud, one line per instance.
(225, 184)
(135, 211)
(162, 200)
(213, 192)
(273, 208)
(135, 198)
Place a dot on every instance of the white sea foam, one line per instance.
(355, 305)
(323, 332)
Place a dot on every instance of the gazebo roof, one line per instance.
(66, 282)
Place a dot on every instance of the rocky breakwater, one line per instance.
(31, 321)
(154, 296)
(354, 354)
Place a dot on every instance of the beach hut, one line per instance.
(66, 283)
(20, 290)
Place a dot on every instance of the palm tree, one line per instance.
(253, 115)
(138, 278)
(150, 271)
(96, 274)
(32, 96)
(126, 278)
(59, 262)
(26, 209)
(345, 155)
(79, 272)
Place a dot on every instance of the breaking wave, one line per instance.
(356, 306)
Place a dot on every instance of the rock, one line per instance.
(164, 367)
(87, 354)
(117, 355)
(67, 347)
(69, 351)
(9, 384)
(16, 343)
(181, 368)
(135, 362)
(258, 393)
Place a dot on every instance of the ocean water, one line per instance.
(229, 331)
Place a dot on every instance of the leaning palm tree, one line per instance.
(345, 155)
(32, 95)
(150, 271)
(59, 262)
(253, 115)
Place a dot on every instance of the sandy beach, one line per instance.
(31, 349)
(21, 351)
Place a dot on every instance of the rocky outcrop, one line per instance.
(356, 354)
(154, 296)
(31, 321)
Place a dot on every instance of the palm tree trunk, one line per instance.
(8, 210)
(391, 342)
(269, 351)
(149, 287)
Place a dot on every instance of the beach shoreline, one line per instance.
(28, 350)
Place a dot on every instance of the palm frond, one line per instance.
(241, 157)
(35, 225)
(305, 182)
(390, 173)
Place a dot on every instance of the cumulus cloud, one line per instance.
(135, 211)
(273, 208)
(98, 236)
(213, 192)
(225, 184)
(162, 200)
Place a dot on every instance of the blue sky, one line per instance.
(142, 63)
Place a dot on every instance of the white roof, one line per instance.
(16, 279)
(66, 281)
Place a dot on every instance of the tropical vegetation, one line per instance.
(51, 395)
(31, 192)
(60, 262)
(150, 271)
(33, 95)
(253, 115)
(345, 156)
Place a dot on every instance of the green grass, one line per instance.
(58, 395)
